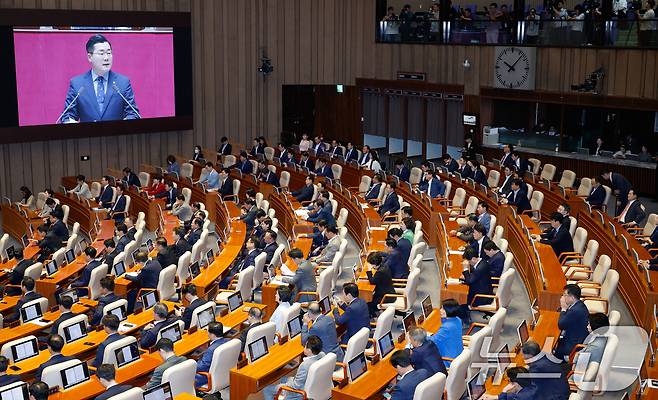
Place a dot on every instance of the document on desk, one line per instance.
(286, 271)
(278, 281)
(457, 252)
(364, 206)
(40, 322)
(125, 327)
(453, 281)
(132, 274)
(301, 213)
(377, 228)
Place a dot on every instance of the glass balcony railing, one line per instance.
(631, 32)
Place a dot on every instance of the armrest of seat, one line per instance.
(575, 351)
(600, 299)
(652, 251)
(390, 218)
(231, 197)
(289, 389)
(374, 202)
(569, 255)
(473, 326)
(532, 213)
(636, 229)
(392, 295)
(575, 271)
(484, 296)
(343, 366)
(300, 294)
(208, 386)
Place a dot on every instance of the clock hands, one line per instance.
(508, 66)
(511, 67)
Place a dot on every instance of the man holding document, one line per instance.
(99, 94)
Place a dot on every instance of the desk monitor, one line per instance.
(522, 331)
(210, 257)
(475, 388)
(534, 311)
(149, 299)
(325, 305)
(427, 307)
(83, 244)
(31, 312)
(75, 332)
(26, 240)
(195, 270)
(295, 326)
(126, 354)
(234, 301)
(70, 256)
(25, 350)
(162, 392)
(503, 358)
(385, 344)
(355, 272)
(357, 366)
(51, 267)
(409, 322)
(72, 293)
(74, 375)
(583, 150)
(134, 254)
(119, 269)
(149, 245)
(16, 391)
(171, 332)
(206, 316)
(257, 349)
(120, 312)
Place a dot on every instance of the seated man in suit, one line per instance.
(506, 159)
(180, 245)
(424, 353)
(355, 311)
(484, 217)
(106, 194)
(284, 154)
(225, 147)
(57, 226)
(211, 178)
(81, 188)
(27, 288)
(506, 184)
(596, 196)
(181, 209)
(324, 169)
(169, 194)
(267, 176)
(306, 192)
(185, 313)
(312, 353)
(409, 378)
(121, 232)
(110, 324)
(318, 146)
(147, 277)
(130, 178)
(329, 251)
(380, 276)
(117, 211)
(432, 186)
(47, 246)
(92, 263)
(166, 351)
(304, 278)
(251, 251)
(394, 260)
(244, 165)
(541, 365)
(401, 170)
(216, 338)
(632, 214)
(107, 377)
(166, 256)
(323, 210)
(226, 183)
(572, 322)
(448, 339)
(565, 209)
(107, 297)
(65, 304)
(495, 258)
(195, 232)
(479, 239)
(269, 238)
(351, 153)
(519, 388)
(4, 378)
(464, 169)
(517, 197)
(336, 150)
(375, 188)
(55, 345)
(323, 326)
(150, 332)
(519, 164)
(559, 237)
(465, 232)
(109, 253)
(305, 161)
(449, 163)
(477, 276)
(478, 175)
(391, 204)
(18, 272)
(254, 319)
(403, 244)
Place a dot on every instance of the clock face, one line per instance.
(512, 68)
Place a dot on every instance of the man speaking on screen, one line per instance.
(99, 94)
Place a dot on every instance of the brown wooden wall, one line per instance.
(338, 115)
(309, 42)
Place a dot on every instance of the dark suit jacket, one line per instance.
(119, 206)
(505, 184)
(123, 241)
(406, 387)
(60, 230)
(306, 164)
(304, 194)
(526, 393)
(354, 317)
(16, 276)
(549, 388)
(180, 247)
(50, 243)
(351, 155)
(101, 348)
(102, 302)
(573, 325)
(403, 173)
(226, 189)
(167, 257)
(86, 109)
(596, 196)
(479, 282)
(187, 314)
(399, 268)
(391, 204)
(520, 200)
(520, 165)
(619, 182)
(428, 357)
(560, 242)
(63, 317)
(243, 334)
(496, 264)
(373, 192)
(634, 213)
(269, 250)
(474, 245)
(465, 171)
(113, 391)
(437, 189)
(404, 246)
(285, 157)
(149, 275)
(148, 337)
(193, 237)
(506, 160)
(86, 274)
(452, 165)
(245, 167)
(325, 171)
(336, 151)
(271, 178)
(225, 149)
(169, 196)
(480, 177)
(56, 359)
(131, 180)
(105, 197)
(383, 281)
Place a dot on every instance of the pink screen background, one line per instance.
(46, 62)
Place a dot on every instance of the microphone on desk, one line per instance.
(116, 89)
(82, 88)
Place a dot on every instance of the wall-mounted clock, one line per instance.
(514, 67)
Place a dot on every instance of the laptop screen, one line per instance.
(72, 293)
(10, 252)
(206, 316)
(70, 256)
(195, 270)
(427, 307)
(475, 388)
(210, 256)
(522, 331)
(24, 350)
(171, 332)
(385, 344)
(503, 358)
(31, 312)
(25, 240)
(75, 332)
(135, 253)
(126, 354)
(325, 305)
(51, 267)
(119, 268)
(257, 349)
(295, 326)
(120, 312)
(149, 299)
(357, 366)
(74, 375)
(17, 391)
(162, 392)
(234, 301)
(409, 322)
(149, 245)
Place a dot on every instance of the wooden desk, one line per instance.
(14, 223)
(377, 377)
(186, 396)
(253, 377)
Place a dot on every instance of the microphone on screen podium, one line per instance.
(116, 89)
(82, 89)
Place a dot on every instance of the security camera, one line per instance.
(467, 64)
(266, 67)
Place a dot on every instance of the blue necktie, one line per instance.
(100, 92)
